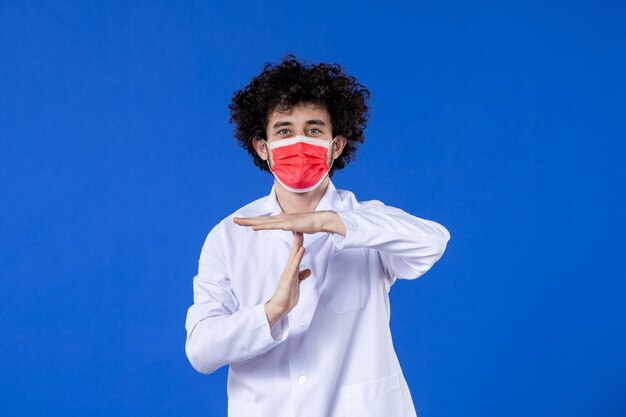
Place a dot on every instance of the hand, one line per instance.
(307, 222)
(288, 291)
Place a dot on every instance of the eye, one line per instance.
(280, 132)
(317, 131)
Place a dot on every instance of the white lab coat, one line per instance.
(332, 355)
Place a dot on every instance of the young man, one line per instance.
(292, 289)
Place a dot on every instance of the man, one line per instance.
(292, 289)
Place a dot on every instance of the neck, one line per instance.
(299, 202)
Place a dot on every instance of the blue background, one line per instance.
(503, 121)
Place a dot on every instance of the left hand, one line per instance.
(307, 222)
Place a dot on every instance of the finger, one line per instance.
(297, 258)
(297, 243)
(304, 274)
(248, 221)
(271, 226)
(298, 238)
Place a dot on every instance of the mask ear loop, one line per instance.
(332, 146)
(268, 156)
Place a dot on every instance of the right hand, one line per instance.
(288, 291)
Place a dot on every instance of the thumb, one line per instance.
(304, 274)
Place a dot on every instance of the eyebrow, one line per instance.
(308, 122)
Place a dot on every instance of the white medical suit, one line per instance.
(332, 355)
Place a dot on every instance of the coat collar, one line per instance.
(331, 200)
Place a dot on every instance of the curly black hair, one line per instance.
(291, 82)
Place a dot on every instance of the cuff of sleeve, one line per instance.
(270, 336)
(346, 241)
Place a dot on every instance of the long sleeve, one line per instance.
(219, 330)
(408, 245)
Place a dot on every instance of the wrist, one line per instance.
(332, 223)
(272, 312)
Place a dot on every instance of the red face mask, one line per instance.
(300, 163)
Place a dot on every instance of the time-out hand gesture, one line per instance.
(288, 290)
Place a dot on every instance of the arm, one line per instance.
(219, 330)
(408, 245)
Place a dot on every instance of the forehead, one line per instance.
(300, 112)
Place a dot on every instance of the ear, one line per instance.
(259, 147)
(340, 143)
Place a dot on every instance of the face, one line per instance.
(306, 119)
